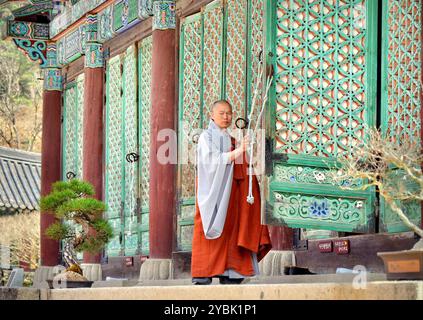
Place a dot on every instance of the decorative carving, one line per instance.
(310, 175)
(91, 27)
(402, 81)
(35, 50)
(145, 9)
(52, 79)
(144, 80)
(27, 30)
(320, 209)
(102, 26)
(51, 54)
(125, 14)
(235, 56)
(52, 74)
(323, 211)
(72, 14)
(164, 15)
(322, 99)
(94, 55)
(105, 24)
(71, 47)
(46, 6)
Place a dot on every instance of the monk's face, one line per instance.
(222, 115)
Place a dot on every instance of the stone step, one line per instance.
(308, 278)
(375, 290)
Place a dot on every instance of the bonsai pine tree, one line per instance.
(72, 201)
(394, 167)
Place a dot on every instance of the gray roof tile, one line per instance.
(20, 180)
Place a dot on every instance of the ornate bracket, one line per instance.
(28, 30)
(94, 57)
(164, 15)
(33, 49)
(53, 80)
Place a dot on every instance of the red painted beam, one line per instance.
(50, 169)
(163, 113)
(93, 138)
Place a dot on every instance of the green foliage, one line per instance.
(81, 208)
(77, 186)
(56, 199)
(71, 200)
(58, 231)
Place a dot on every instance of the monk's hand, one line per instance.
(245, 142)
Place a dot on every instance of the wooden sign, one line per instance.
(129, 261)
(342, 246)
(403, 266)
(325, 246)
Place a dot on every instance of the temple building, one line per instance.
(119, 73)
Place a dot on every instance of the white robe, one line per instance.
(215, 173)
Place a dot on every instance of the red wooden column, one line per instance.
(93, 138)
(281, 238)
(93, 118)
(163, 116)
(50, 169)
(50, 151)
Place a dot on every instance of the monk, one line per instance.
(228, 239)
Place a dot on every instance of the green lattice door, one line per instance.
(401, 102)
(323, 55)
(144, 92)
(219, 52)
(121, 141)
(72, 133)
(72, 129)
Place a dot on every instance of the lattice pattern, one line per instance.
(130, 136)
(320, 74)
(191, 99)
(256, 49)
(145, 107)
(69, 163)
(236, 56)
(114, 247)
(80, 126)
(212, 69)
(114, 141)
(404, 70)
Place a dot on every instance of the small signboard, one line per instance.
(325, 246)
(342, 246)
(403, 266)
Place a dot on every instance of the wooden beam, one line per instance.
(121, 42)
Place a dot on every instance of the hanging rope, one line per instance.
(250, 197)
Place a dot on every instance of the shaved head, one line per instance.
(220, 102)
(221, 113)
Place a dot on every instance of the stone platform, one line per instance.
(301, 287)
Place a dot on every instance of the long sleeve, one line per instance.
(215, 173)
